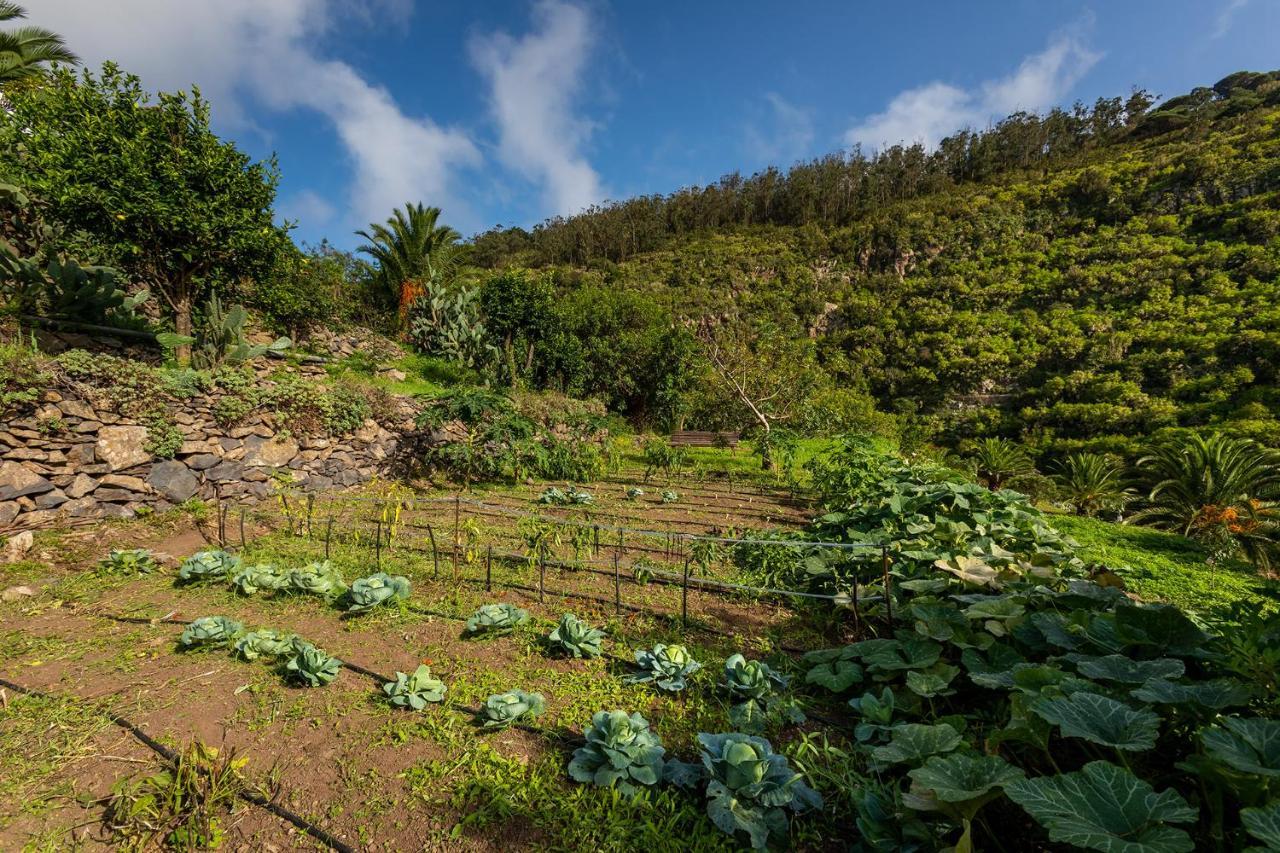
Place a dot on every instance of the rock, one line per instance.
(202, 461)
(17, 481)
(87, 427)
(272, 454)
(116, 511)
(125, 481)
(85, 507)
(228, 443)
(27, 453)
(122, 446)
(78, 409)
(8, 512)
(190, 448)
(254, 475)
(82, 485)
(225, 471)
(17, 546)
(14, 593)
(240, 432)
(51, 499)
(81, 454)
(172, 479)
(114, 495)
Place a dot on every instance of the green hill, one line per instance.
(1083, 278)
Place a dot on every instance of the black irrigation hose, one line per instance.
(332, 841)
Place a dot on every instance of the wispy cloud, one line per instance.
(535, 81)
(247, 50)
(783, 134)
(928, 113)
(1226, 17)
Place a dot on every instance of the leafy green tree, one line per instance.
(519, 311)
(1217, 488)
(413, 248)
(1092, 483)
(26, 52)
(159, 195)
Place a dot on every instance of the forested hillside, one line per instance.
(1082, 278)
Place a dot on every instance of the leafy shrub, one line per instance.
(211, 632)
(751, 787)
(381, 588)
(125, 385)
(163, 436)
(208, 566)
(24, 376)
(321, 579)
(263, 576)
(621, 752)
(264, 643)
(310, 666)
(660, 456)
(577, 638)
(415, 690)
(506, 709)
(129, 561)
(496, 619)
(667, 667)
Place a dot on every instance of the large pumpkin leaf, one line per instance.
(914, 742)
(1160, 627)
(1100, 719)
(1126, 670)
(932, 682)
(964, 778)
(971, 570)
(1105, 807)
(994, 668)
(1263, 824)
(1213, 695)
(901, 654)
(1248, 744)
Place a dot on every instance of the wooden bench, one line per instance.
(689, 438)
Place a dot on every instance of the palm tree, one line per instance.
(411, 249)
(998, 461)
(1092, 483)
(1223, 490)
(26, 51)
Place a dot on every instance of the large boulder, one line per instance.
(173, 480)
(269, 453)
(122, 447)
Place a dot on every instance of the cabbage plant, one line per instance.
(210, 632)
(751, 679)
(381, 588)
(311, 666)
(621, 752)
(318, 579)
(669, 496)
(129, 561)
(496, 619)
(505, 709)
(634, 493)
(751, 787)
(576, 637)
(207, 566)
(665, 666)
(264, 643)
(262, 576)
(553, 496)
(415, 690)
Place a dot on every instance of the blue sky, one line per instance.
(510, 112)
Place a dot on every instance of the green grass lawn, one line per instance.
(1166, 567)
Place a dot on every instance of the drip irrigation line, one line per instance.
(321, 835)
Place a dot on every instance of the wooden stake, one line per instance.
(488, 569)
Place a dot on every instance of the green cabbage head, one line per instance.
(577, 638)
(130, 561)
(620, 753)
(208, 566)
(311, 666)
(210, 632)
(504, 709)
(665, 666)
(318, 579)
(381, 588)
(250, 579)
(750, 787)
(264, 643)
(496, 619)
(751, 679)
(415, 690)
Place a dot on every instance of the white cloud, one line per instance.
(266, 51)
(534, 82)
(783, 135)
(928, 113)
(306, 206)
(1226, 17)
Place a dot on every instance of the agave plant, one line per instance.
(381, 588)
(1092, 483)
(264, 643)
(665, 666)
(576, 637)
(131, 561)
(207, 566)
(415, 690)
(318, 579)
(751, 787)
(621, 752)
(505, 709)
(262, 576)
(309, 665)
(496, 619)
(210, 632)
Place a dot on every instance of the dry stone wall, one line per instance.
(68, 460)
